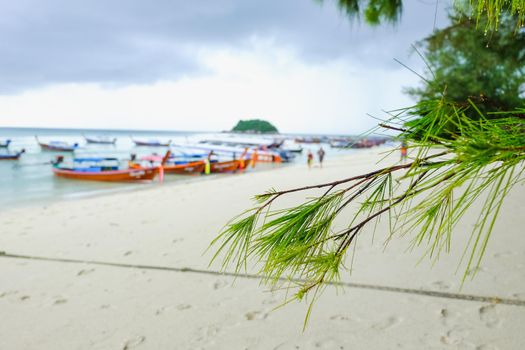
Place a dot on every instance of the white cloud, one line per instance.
(264, 81)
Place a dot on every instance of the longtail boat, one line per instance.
(14, 156)
(102, 140)
(58, 146)
(268, 156)
(226, 166)
(151, 143)
(5, 144)
(186, 166)
(103, 172)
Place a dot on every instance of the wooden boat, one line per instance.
(14, 156)
(109, 173)
(151, 143)
(131, 174)
(187, 168)
(57, 146)
(234, 152)
(5, 144)
(216, 166)
(101, 140)
(226, 166)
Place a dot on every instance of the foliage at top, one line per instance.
(255, 126)
(493, 10)
(374, 11)
(379, 11)
(465, 63)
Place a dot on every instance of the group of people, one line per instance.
(310, 157)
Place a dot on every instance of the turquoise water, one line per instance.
(30, 179)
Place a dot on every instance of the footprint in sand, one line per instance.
(340, 318)
(134, 342)
(489, 316)
(503, 254)
(520, 296)
(486, 347)
(448, 317)
(285, 346)
(441, 285)
(183, 307)
(455, 336)
(5, 294)
(327, 344)
(206, 332)
(129, 252)
(60, 301)
(255, 315)
(390, 322)
(270, 301)
(180, 307)
(219, 284)
(177, 240)
(85, 272)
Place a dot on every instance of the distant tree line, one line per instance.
(255, 126)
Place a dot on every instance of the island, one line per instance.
(255, 126)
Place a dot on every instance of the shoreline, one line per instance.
(132, 187)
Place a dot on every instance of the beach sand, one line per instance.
(160, 292)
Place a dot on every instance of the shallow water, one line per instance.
(30, 179)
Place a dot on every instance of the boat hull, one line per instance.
(224, 167)
(149, 144)
(47, 147)
(13, 157)
(99, 142)
(185, 169)
(136, 174)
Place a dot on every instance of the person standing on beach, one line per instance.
(404, 151)
(309, 159)
(321, 154)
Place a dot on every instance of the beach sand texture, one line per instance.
(72, 302)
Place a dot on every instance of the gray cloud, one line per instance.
(135, 41)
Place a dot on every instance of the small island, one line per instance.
(255, 126)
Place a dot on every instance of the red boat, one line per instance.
(104, 169)
(132, 174)
(188, 168)
(226, 166)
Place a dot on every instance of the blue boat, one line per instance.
(13, 156)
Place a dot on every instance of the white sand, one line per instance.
(60, 305)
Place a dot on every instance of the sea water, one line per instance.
(30, 179)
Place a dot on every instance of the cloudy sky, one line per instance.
(203, 65)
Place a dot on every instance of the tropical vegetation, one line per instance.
(465, 150)
(254, 126)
